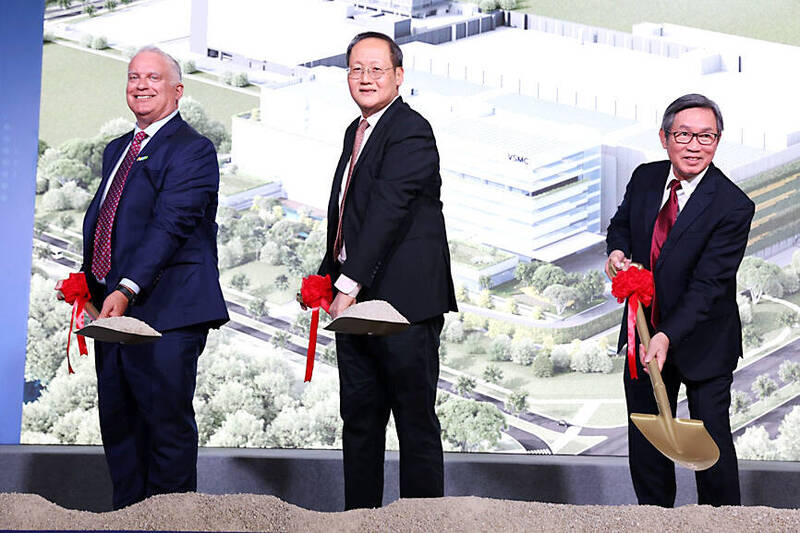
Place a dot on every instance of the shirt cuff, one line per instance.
(348, 286)
(131, 285)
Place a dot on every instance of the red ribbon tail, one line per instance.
(312, 343)
(79, 323)
(633, 307)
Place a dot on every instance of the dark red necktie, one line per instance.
(101, 255)
(664, 222)
(362, 127)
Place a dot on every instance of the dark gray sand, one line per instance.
(249, 512)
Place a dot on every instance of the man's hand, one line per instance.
(341, 302)
(659, 345)
(618, 261)
(115, 304)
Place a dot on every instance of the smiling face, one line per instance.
(689, 160)
(153, 88)
(373, 95)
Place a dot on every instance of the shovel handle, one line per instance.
(91, 309)
(659, 389)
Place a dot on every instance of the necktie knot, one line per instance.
(674, 185)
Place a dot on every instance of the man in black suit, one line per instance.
(387, 241)
(694, 318)
(150, 252)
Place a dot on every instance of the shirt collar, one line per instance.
(153, 128)
(687, 186)
(375, 117)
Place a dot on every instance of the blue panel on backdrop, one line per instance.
(20, 85)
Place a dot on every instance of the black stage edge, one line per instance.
(76, 477)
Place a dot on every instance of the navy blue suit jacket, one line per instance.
(164, 234)
(393, 227)
(695, 275)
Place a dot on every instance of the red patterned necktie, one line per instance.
(664, 222)
(362, 127)
(101, 255)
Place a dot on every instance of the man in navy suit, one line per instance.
(387, 241)
(150, 252)
(694, 257)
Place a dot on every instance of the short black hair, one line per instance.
(688, 101)
(394, 50)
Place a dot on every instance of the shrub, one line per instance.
(561, 356)
(99, 42)
(542, 366)
(523, 351)
(188, 66)
(487, 5)
(500, 349)
(474, 344)
(240, 80)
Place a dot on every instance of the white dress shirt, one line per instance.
(684, 191)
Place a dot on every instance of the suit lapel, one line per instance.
(379, 127)
(699, 201)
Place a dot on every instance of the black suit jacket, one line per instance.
(164, 233)
(393, 227)
(695, 275)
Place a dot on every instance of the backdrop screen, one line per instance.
(540, 114)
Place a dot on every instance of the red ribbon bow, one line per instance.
(635, 284)
(315, 292)
(75, 292)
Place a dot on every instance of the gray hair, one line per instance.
(170, 60)
(688, 101)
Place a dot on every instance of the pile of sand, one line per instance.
(248, 512)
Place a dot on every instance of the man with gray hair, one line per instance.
(687, 223)
(150, 252)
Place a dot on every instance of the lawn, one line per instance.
(569, 385)
(235, 183)
(81, 91)
(771, 21)
(262, 277)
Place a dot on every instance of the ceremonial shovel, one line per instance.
(684, 441)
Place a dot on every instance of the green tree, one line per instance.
(789, 372)
(465, 385)
(507, 4)
(524, 271)
(764, 386)
(471, 425)
(487, 5)
(258, 308)
(281, 282)
(462, 295)
(64, 4)
(111, 5)
(500, 349)
(740, 401)
(240, 281)
(756, 445)
(193, 113)
(302, 323)
(65, 221)
(757, 276)
(517, 402)
(788, 441)
(485, 282)
(442, 352)
(279, 339)
(547, 275)
(492, 373)
(560, 296)
(485, 299)
(511, 306)
(542, 366)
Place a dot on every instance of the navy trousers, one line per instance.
(147, 420)
(399, 374)
(652, 473)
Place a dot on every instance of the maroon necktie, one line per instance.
(101, 255)
(664, 222)
(362, 127)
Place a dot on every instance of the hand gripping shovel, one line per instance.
(685, 442)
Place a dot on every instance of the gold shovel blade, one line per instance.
(688, 444)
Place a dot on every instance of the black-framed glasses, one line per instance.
(376, 73)
(685, 137)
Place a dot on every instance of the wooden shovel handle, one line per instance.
(659, 389)
(92, 310)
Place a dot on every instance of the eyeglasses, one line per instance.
(685, 137)
(376, 73)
